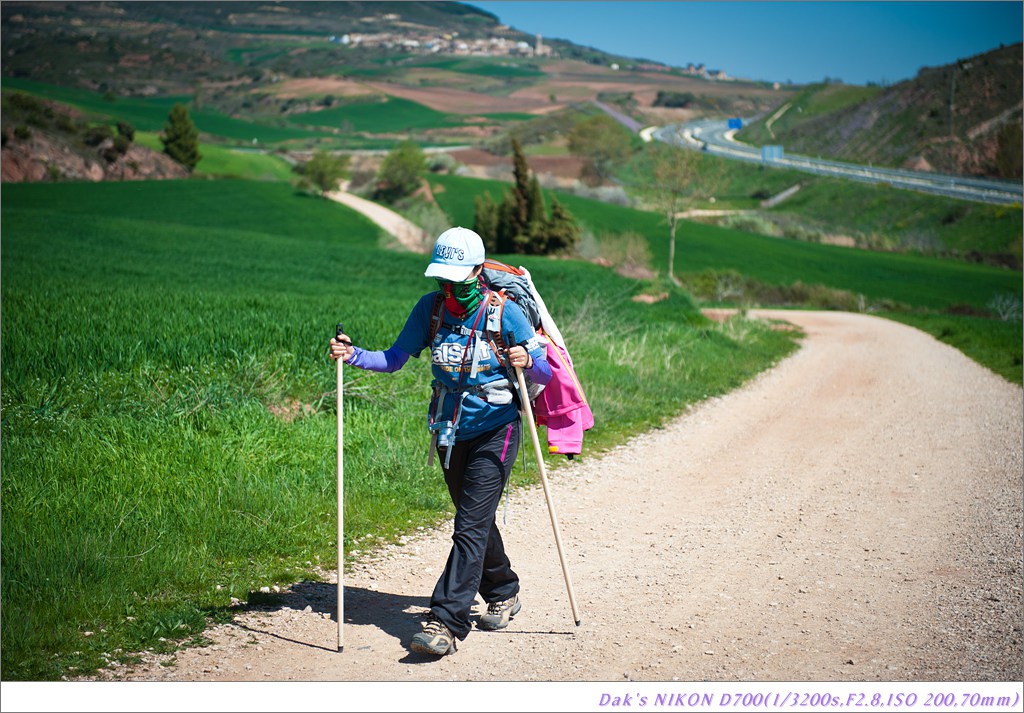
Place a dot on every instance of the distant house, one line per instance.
(542, 50)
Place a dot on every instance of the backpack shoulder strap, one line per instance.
(436, 314)
(495, 312)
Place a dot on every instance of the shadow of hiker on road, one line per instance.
(395, 614)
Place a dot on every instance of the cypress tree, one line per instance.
(485, 221)
(181, 138)
(521, 190)
(536, 211)
(521, 224)
(505, 234)
(562, 230)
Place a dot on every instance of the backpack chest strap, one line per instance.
(492, 324)
(465, 331)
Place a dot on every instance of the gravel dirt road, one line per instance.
(853, 514)
(409, 235)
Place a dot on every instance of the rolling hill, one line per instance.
(291, 74)
(962, 118)
(291, 66)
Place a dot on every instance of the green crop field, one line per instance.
(150, 114)
(167, 402)
(330, 128)
(508, 116)
(220, 162)
(392, 114)
(145, 114)
(504, 69)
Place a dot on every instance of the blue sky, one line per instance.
(802, 42)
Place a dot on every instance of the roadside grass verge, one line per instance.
(876, 217)
(886, 218)
(995, 344)
(168, 414)
(812, 101)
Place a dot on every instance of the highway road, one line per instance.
(714, 136)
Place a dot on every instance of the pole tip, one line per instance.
(341, 648)
(577, 622)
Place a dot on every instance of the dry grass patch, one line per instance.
(319, 86)
(291, 410)
(453, 101)
(650, 299)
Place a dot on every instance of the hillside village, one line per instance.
(493, 46)
(446, 43)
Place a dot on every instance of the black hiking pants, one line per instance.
(476, 477)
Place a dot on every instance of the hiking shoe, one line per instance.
(436, 638)
(498, 614)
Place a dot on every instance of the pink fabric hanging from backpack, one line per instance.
(562, 406)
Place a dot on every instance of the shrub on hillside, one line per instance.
(96, 135)
(323, 171)
(400, 172)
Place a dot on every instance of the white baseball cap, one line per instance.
(456, 252)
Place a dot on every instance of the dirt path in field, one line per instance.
(853, 514)
(409, 235)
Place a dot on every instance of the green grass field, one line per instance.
(883, 217)
(997, 345)
(393, 114)
(913, 280)
(167, 401)
(501, 68)
(221, 162)
(370, 117)
(150, 114)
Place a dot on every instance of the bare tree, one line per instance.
(603, 144)
(679, 176)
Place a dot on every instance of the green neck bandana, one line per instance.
(462, 298)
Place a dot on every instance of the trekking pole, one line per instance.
(339, 330)
(528, 413)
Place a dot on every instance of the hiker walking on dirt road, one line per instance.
(474, 421)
